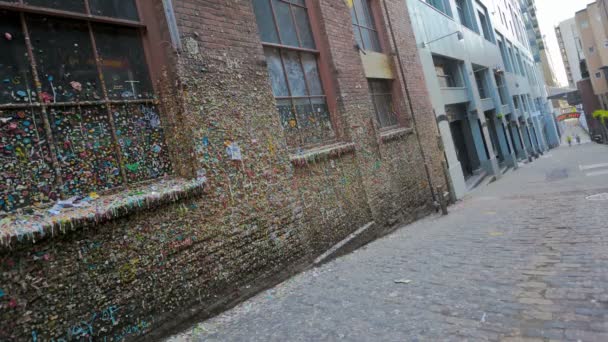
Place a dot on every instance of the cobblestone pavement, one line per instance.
(523, 259)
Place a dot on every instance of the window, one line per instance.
(441, 5)
(382, 98)
(512, 59)
(463, 14)
(505, 58)
(448, 72)
(486, 30)
(516, 101)
(591, 49)
(502, 89)
(364, 26)
(78, 115)
(293, 59)
(598, 75)
(480, 79)
(522, 71)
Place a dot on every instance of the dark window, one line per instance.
(382, 98)
(448, 72)
(505, 57)
(82, 120)
(502, 89)
(481, 84)
(463, 13)
(293, 69)
(125, 76)
(485, 26)
(123, 9)
(66, 5)
(364, 26)
(441, 5)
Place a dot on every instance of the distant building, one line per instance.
(594, 41)
(537, 43)
(571, 49)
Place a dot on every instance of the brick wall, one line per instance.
(259, 220)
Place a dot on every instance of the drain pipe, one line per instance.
(436, 200)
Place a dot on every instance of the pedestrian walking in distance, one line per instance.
(569, 140)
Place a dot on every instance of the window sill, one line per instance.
(321, 154)
(38, 223)
(395, 134)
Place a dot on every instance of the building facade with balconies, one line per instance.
(487, 91)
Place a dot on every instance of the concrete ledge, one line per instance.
(37, 223)
(322, 153)
(395, 134)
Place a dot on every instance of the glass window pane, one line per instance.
(123, 9)
(65, 60)
(142, 142)
(295, 75)
(312, 74)
(285, 23)
(304, 27)
(358, 36)
(26, 175)
(125, 71)
(265, 20)
(275, 70)
(353, 16)
(364, 14)
(85, 149)
(66, 5)
(370, 40)
(15, 71)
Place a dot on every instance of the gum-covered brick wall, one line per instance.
(265, 213)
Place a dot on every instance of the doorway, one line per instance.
(460, 144)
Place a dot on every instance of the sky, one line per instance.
(550, 13)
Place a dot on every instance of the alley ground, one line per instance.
(523, 259)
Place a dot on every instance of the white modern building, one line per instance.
(487, 92)
(571, 49)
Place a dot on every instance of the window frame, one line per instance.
(390, 85)
(153, 59)
(321, 54)
(372, 13)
